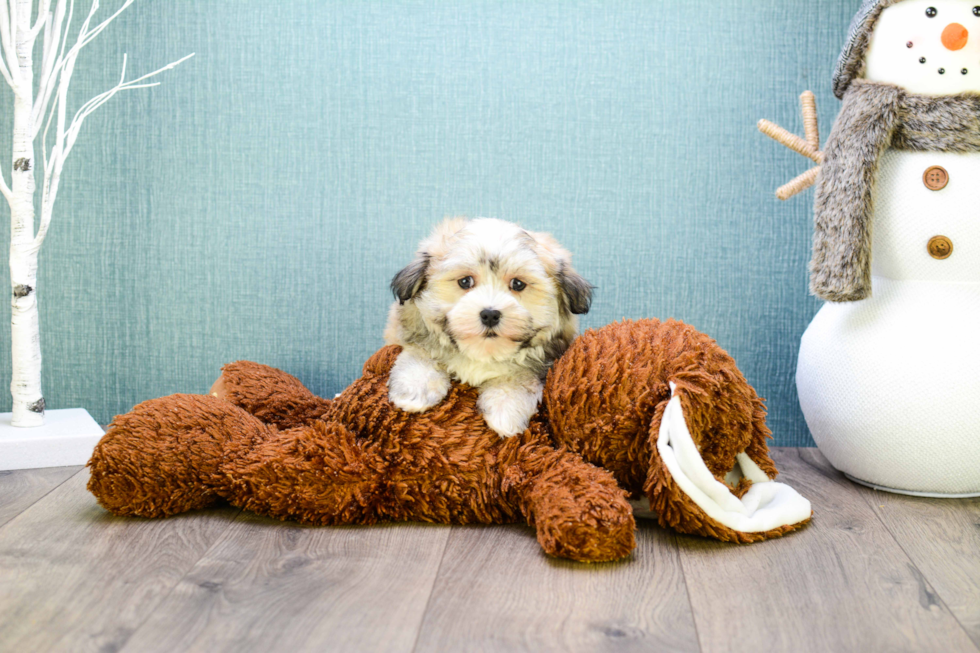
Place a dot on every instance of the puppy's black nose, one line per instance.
(490, 317)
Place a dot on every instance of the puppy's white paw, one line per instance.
(508, 407)
(416, 384)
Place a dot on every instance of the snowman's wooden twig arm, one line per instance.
(790, 140)
(808, 103)
(809, 147)
(798, 185)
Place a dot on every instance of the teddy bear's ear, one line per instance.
(686, 496)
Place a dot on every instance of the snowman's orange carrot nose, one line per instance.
(955, 36)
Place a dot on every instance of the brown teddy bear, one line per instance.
(635, 409)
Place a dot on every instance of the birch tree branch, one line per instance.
(6, 75)
(101, 26)
(5, 189)
(7, 27)
(42, 12)
(51, 64)
(66, 137)
(62, 68)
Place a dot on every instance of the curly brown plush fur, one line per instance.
(611, 414)
(271, 446)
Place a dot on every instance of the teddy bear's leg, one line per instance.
(272, 395)
(164, 457)
(579, 510)
(687, 440)
(186, 452)
(317, 474)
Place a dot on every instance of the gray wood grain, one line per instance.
(22, 487)
(874, 572)
(497, 591)
(942, 537)
(841, 584)
(269, 586)
(75, 578)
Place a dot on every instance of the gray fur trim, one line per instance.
(874, 117)
(841, 267)
(850, 65)
(945, 124)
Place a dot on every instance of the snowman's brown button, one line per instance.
(940, 247)
(936, 178)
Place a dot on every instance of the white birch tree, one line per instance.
(43, 104)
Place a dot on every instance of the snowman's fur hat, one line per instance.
(850, 66)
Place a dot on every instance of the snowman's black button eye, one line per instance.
(922, 60)
(942, 71)
(965, 71)
(931, 12)
(976, 11)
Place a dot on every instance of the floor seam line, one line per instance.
(432, 588)
(888, 529)
(687, 591)
(41, 498)
(898, 543)
(170, 591)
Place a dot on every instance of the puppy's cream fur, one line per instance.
(437, 322)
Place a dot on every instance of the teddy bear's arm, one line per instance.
(271, 395)
(579, 510)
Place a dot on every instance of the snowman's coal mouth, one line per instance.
(942, 69)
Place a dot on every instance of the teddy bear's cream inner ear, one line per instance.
(767, 505)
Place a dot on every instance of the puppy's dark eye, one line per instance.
(466, 283)
(931, 12)
(517, 285)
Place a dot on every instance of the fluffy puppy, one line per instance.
(488, 304)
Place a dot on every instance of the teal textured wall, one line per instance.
(257, 203)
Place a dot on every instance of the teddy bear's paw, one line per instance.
(416, 385)
(509, 406)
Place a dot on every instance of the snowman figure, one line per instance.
(889, 369)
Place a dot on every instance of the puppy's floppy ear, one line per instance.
(577, 291)
(411, 280)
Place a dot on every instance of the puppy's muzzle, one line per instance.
(490, 317)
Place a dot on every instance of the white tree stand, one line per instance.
(67, 438)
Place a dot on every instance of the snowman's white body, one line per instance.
(890, 386)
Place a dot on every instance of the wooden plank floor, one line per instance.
(873, 572)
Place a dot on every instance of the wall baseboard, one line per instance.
(67, 438)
